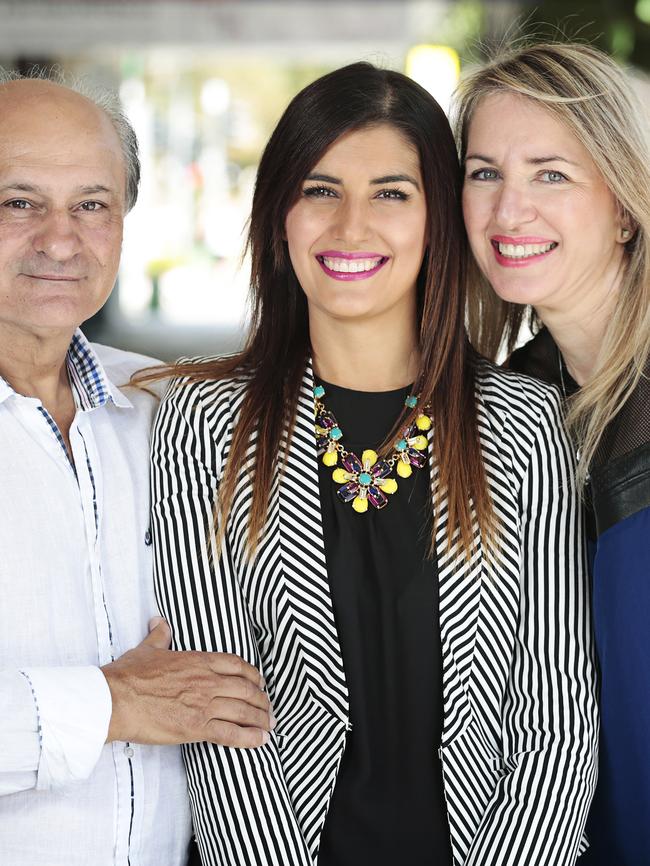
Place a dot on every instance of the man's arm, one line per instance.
(55, 721)
(164, 697)
(53, 724)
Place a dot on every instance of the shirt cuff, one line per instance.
(73, 706)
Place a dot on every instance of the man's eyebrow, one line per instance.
(389, 178)
(30, 187)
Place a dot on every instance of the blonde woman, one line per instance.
(557, 207)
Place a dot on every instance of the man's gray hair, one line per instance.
(109, 103)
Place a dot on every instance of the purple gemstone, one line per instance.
(321, 442)
(417, 458)
(348, 491)
(377, 497)
(352, 463)
(381, 469)
(326, 420)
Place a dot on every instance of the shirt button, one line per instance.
(147, 538)
(128, 751)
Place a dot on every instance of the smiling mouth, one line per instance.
(522, 252)
(351, 268)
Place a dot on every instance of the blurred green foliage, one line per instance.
(620, 27)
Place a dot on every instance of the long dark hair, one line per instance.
(278, 346)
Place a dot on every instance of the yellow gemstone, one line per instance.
(423, 422)
(369, 458)
(403, 469)
(340, 475)
(389, 485)
(360, 504)
(331, 458)
(419, 443)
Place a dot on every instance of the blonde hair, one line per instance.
(591, 96)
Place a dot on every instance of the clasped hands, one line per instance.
(163, 697)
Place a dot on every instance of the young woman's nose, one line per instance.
(352, 225)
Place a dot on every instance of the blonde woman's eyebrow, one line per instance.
(533, 160)
(540, 160)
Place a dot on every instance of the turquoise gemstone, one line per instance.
(319, 392)
(411, 401)
(365, 478)
(401, 445)
(336, 433)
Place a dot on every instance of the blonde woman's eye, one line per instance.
(484, 174)
(553, 176)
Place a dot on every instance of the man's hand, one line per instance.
(164, 697)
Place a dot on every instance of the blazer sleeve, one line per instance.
(550, 724)
(199, 594)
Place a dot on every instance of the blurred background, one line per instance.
(205, 81)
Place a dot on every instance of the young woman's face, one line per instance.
(357, 233)
(542, 223)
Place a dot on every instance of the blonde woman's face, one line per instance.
(542, 223)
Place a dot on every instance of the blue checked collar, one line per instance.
(89, 382)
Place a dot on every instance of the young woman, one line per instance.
(385, 525)
(557, 208)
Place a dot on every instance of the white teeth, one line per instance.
(350, 266)
(522, 251)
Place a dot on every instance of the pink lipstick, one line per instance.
(346, 266)
(519, 252)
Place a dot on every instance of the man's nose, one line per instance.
(353, 223)
(513, 207)
(57, 236)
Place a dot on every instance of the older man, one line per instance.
(80, 689)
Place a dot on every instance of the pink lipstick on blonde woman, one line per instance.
(518, 252)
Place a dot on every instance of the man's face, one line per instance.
(62, 202)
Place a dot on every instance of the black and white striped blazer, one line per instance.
(519, 739)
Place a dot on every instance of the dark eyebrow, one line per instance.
(326, 178)
(396, 178)
(389, 178)
(534, 160)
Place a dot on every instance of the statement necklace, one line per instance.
(367, 479)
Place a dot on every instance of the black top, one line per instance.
(388, 804)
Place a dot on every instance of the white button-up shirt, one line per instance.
(75, 593)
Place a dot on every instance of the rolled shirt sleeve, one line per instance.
(53, 727)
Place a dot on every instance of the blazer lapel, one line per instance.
(460, 584)
(303, 559)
